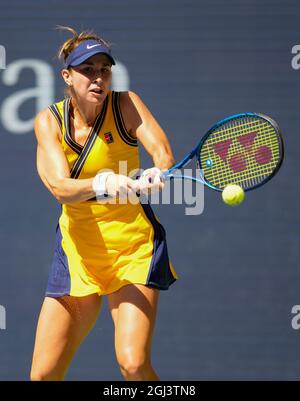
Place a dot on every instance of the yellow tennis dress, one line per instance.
(102, 247)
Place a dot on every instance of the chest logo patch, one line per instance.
(108, 137)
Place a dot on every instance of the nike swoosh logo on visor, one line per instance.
(90, 47)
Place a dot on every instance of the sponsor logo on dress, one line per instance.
(108, 137)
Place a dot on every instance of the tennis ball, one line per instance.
(233, 195)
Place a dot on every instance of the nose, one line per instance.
(98, 78)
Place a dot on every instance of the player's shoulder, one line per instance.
(130, 102)
(129, 97)
(43, 116)
(45, 124)
(46, 115)
(44, 119)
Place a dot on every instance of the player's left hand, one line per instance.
(150, 181)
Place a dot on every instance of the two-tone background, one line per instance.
(192, 62)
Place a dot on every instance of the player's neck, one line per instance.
(84, 114)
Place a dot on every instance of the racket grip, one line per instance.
(162, 178)
(138, 194)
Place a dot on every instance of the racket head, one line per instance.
(244, 149)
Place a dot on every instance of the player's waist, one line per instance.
(94, 211)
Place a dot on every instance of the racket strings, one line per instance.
(250, 171)
(230, 132)
(238, 161)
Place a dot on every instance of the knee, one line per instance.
(133, 366)
(132, 371)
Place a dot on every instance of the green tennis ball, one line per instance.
(233, 195)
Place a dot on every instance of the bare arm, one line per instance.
(52, 164)
(141, 124)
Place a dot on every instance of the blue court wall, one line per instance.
(229, 316)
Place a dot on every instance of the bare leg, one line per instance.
(133, 309)
(63, 324)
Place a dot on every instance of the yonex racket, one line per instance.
(244, 149)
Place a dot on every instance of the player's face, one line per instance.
(91, 80)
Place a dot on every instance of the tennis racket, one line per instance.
(244, 149)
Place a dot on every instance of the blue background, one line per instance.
(193, 63)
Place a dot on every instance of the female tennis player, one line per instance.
(116, 248)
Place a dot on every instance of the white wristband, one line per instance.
(99, 183)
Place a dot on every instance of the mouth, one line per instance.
(97, 91)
